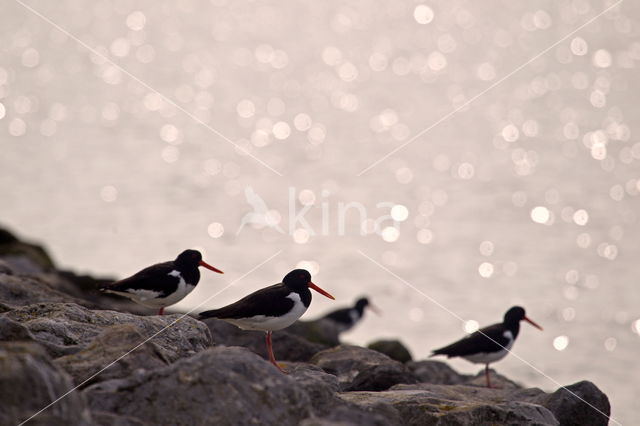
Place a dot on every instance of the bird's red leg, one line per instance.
(486, 374)
(161, 311)
(272, 358)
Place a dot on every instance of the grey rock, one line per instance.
(12, 331)
(437, 372)
(361, 368)
(29, 382)
(391, 348)
(107, 349)
(328, 408)
(66, 328)
(322, 331)
(101, 418)
(18, 291)
(6, 268)
(497, 380)
(427, 404)
(381, 377)
(320, 386)
(579, 404)
(219, 386)
(11, 247)
(286, 346)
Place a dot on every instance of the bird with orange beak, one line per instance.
(162, 284)
(271, 308)
(489, 344)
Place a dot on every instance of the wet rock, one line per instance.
(109, 346)
(392, 348)
(286, 346)
(360, 368)
(437, 372)
(29, 382)
(67, 328)
(219, 386)
(580, 404)
(450, 405)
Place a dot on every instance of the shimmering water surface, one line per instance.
(214, 124)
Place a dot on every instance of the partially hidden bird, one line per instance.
(162, 284)
(346, 318)
(489, 344)
(271, 308)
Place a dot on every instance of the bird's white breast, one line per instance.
(268, 323)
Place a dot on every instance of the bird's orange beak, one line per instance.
(532, 323)
(206, 265)
(321, 291)
(374, 309)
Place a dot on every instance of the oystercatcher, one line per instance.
(162, 284)
(346, 318)
(488, 344)
(271, 308)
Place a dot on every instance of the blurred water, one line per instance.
(529, 195)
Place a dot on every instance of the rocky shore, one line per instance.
(57, 332)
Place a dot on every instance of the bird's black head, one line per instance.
(189, 258)
(517, 314)
(297, 279)
(362, 303)
(300, 280)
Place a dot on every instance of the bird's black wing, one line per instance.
(342, 316)
(155, 277)
(270, 301)
(488, 339)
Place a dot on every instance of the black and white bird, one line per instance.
(346, 318)
(162, 284)
(271, 308)
(489, 344)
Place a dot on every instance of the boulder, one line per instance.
(29, 382)
(362, 369)
(497, 380)
(286, 346)
(101, 418)
(24, 257)
(392, 348)
(16, 290)
(579, 404)
(322, 331)
(436, 372)
(450, 405)
(108, 350)
(67, 328)
(13, 331)
(218, 386)
(320, 386)
(381, 377)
